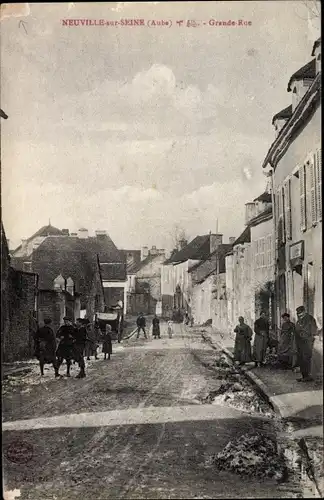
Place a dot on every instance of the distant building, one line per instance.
(144, 283)
(295, 160)
(176, 285)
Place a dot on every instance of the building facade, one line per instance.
(295, 162)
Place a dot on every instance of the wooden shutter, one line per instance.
(288, 218)
(302, 193)
(311, 174)
(318, 183)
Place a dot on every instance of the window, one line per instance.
(269, 250)
(310, 166)
(287, 200)
(318, 183)
(302, 193)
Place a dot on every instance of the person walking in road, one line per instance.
(91, 345)
(156, 327)
(141, 324)
(107, 344)
(65, 334)
(242, 347)
(261, 339)
(286, 344)
(80, 338)
(170, 329)
(305, 331)
(45, 346)
(186, 318)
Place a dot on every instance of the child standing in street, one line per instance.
(106, 342)
(170, 328)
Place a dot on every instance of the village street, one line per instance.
(135, 427)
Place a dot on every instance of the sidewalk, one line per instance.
(301, 403)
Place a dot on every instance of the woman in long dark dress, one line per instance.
(242, 347)
(156, 327)
(106, 343)
(286, 345)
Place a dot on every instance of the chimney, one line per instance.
(100, 232)
(65, 232)
(214, 241)
(24, 245)
(144, 252)
(231, 240)
(182, 243)
(250, 212)
(83, 233)
(153, 251)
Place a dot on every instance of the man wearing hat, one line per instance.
(66, 335)
(305, 331)
(45, 346)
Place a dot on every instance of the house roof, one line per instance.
(48, 230)
(245, 237)
(307, 71)
(77, 258)
(139, 265)
(265, 197)
(284, 113)
(316, 44)
(3, 114)
(134, 261)
(197, 249)
(261, 217)
(220, 251)
(303, 112)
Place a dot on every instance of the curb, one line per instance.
(254, 379)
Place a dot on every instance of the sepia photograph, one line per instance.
(161, 250)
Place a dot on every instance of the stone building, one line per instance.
(18, 308)
(144, 283)
(176, 280)
(294, 160)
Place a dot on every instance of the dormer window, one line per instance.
(70, 286)
(59, 283)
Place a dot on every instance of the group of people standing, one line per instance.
(71, 343)
(156, 332)
(294, 347)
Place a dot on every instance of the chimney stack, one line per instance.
(83, 233)
(232, 239)
(182, 243)
(100, 232)
(214, 241)
(144, 253)
(24, 245)
(250, 211)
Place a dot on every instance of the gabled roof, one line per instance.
(43, 231)
(316, 44)
(79, 259)
(261, 217)
(284, 113)
(265, 197)
(220, 252)
(245, 237)
(137, 266)
(134, 261)
(307, 71)
(197, 249)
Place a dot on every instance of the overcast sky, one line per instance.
(134, 129)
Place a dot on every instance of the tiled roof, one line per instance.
(136, 267)
(284, 113)
(44, 231)
(197, 249)
(265, 197)
(75, 257)
(307, 71)
(245, 237)
(316, 44)
(132, 259)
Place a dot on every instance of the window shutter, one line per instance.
(311, 170)
(302, 198)
(318, 183)
(288, 210)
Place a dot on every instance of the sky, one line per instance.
(136, 129)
